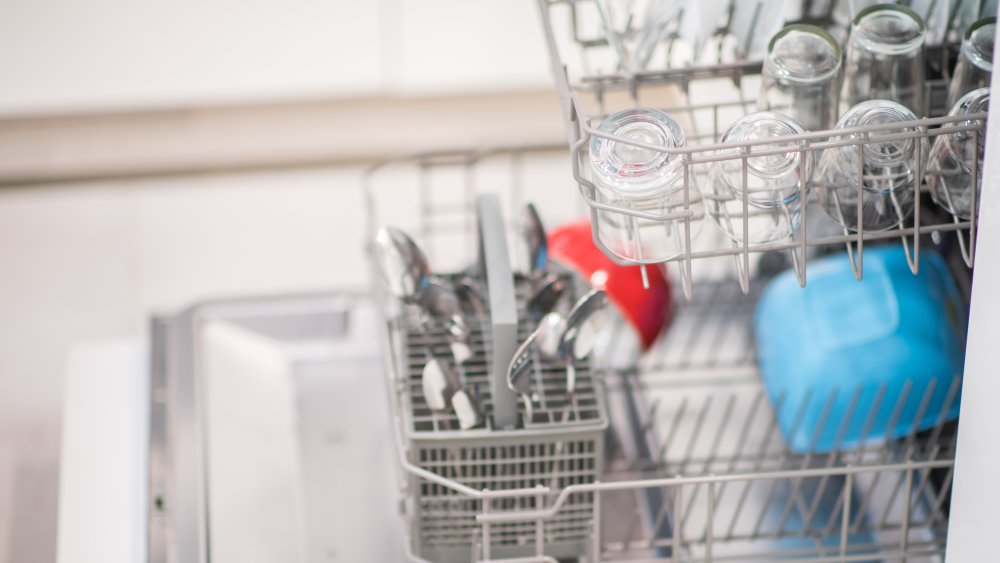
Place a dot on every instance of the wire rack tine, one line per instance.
(870, 420)
(799, 416)
(848, 486)
(893, 419)
(799, 257)
(686, 266)
(720, 432)
(859, 240)
(936, 510)
(974, 202)
(914, 260)
(743, 439)
(744, 272)
(696, 432)
(807, 460)
(832, 459)
(678, 531)
(908, 447)
(665, 445)
(692, 442)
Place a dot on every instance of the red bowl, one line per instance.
(647, 310)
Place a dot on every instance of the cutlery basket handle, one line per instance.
(494, 262)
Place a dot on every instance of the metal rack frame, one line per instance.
(565, 40)
(696, 469)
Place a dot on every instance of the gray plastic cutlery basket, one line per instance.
(449, 475)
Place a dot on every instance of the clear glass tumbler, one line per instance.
(975, 62)
(774, 182)
(801, 76)
(885, 58)
(882, 171)
(954, 155)
(642, 179)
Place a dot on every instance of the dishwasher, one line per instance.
(685, 454)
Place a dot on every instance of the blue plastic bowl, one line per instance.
(847, 362)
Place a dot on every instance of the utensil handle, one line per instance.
(495, 264)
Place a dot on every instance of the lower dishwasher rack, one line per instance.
(696, 469)
(707, 475)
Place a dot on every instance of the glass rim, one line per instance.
(806, 28)
(971, 51)
(982, 22)
(913, 47)
(812, 30)
(891, 8)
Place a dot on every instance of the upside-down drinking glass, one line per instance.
(975, 62)
(774, 182)
(884, 58)
(642, 179)
(955, 154)
(801, 76)
(887, 167)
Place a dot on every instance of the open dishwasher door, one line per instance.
(976, 492)
(270, 436)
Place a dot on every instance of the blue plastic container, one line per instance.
(847, 361)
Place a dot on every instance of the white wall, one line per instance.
(58, 56)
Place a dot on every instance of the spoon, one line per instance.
(546, 338)
(401, 263)
(442, 387)
(537, 241)
(441, 303)
(469, 298)
(567, 339)
(546, 296)
(580, 333)
(547, 289)
(406, 273)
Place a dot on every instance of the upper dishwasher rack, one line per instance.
(705, 100)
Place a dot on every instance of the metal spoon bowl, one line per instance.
(549, 291)
(582, 323)
(401, 263)
(549, 335)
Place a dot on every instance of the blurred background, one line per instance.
(153, 154)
